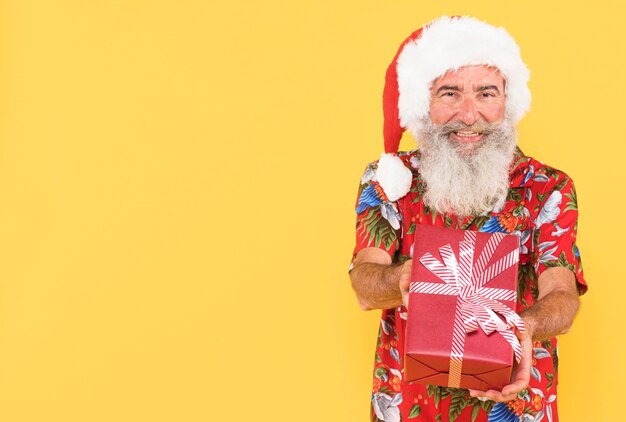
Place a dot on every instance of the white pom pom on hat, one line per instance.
(393, 176)
(444, 44)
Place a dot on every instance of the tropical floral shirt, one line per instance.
(541, 209)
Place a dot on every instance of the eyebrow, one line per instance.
(457, 89)
(488, 87)
(448, 88)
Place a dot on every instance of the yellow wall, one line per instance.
(177, 182)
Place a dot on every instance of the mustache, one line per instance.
(478, 127)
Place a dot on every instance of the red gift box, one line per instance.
(461, 317)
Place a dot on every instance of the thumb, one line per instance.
(405, 275)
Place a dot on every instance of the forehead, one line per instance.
(475, 75)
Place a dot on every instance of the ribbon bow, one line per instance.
(477, 305)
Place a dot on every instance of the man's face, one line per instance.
(467, 142)
(469, 98)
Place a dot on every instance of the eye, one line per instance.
(488, 94)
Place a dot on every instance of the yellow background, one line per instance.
(177, 187)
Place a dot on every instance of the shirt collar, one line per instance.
(521, 171)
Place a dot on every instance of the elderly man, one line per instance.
(459, 86)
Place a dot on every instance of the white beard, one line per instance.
(466, 179)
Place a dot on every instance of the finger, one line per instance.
(505, 397)
(485, 394)
(480, 393)
(515, 387)
(405, 283)
(494, 395)
(522, 378)
(499, 396)
(522, 373)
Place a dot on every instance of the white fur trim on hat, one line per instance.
(447, 44)
(393, 176)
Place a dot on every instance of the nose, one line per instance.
(468, 112)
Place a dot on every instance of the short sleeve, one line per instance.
(377, 220)
(555, 231)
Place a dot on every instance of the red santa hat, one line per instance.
(444, 44)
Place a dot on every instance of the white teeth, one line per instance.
(467, 134)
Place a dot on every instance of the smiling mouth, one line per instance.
(467, 135)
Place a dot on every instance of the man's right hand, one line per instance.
(405, 281)
(377, 282)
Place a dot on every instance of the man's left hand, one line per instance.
(520, 376)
